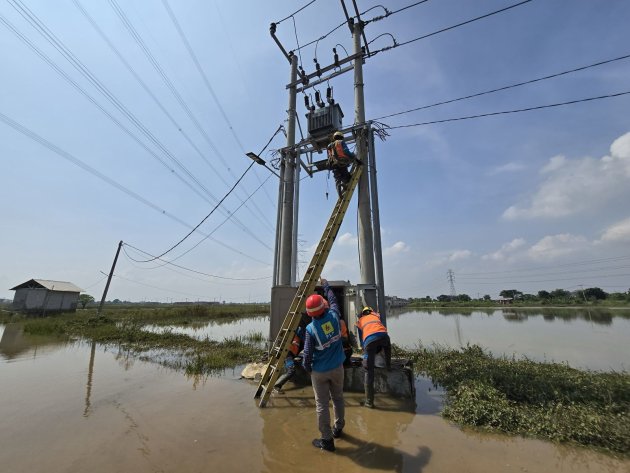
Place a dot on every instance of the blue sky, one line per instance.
(534, 200)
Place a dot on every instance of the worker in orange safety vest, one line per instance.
(339, 158)
(374, 338)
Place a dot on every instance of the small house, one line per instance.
(43, 296)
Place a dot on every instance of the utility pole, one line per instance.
(364, 224)
(376, 229)
(109, 279)
(287, 186)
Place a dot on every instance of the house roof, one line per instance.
(55, 286)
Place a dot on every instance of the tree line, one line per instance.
(557, 296)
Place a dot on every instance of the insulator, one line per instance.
(336, 56)
(306, 103)
(329, 95)
(317, 96)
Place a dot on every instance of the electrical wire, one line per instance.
(215, 207)
(146, 88)
(576, 263)
(204, 219)
(506, 87)
(295, 12)
(47, 144)
(396, 45)
(82, 68)
(188, 269)
(158, 68)
(505, 112)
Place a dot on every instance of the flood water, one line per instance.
(77, 407)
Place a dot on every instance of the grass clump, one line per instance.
(544, 400)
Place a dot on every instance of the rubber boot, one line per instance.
(328, 445)
(369, 396)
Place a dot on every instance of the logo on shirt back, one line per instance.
(328, 328)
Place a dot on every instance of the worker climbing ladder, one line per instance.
(280, 347)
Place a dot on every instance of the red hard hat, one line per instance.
(315, 305)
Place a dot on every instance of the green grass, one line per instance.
(544, 400)
(125, 328)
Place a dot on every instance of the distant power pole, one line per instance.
(450, 275)
(109, 279)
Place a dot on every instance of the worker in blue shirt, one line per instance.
(323, 358)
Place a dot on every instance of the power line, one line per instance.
(217, 205)
(295, 12)
(205, 218)
(187, 269)
(146, 88)
(396, 45)
(518, 84)
(28, 15)
(576, 263)
(35, 137)
(206, 82)
(589, 99)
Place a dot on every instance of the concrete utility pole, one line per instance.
(109, 279)
(285, 231)
(364, 225)
(376, 229)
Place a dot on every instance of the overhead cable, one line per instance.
(575, 263)
(518, 84)
(28, 15)
(216, 206)
(35, 137)
(206, 81)
(146, 88)
(189, 269)
(589, 99)
(295, 12)
(396, 45)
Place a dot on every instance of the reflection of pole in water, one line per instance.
(458, 331)
(88, 392)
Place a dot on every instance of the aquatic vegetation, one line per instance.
(545, 400)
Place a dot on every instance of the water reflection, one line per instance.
(15, 344)
(583, 337)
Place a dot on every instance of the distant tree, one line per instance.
(511, 293)
(528, 297)
(116, 301)
(544, 295)
(487, 297)
(595, 293)
(85, 299)
(463, 298)
(443, 298)
(560, 294)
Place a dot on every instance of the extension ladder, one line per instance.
(280, 347)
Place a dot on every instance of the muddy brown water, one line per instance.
(83, 408)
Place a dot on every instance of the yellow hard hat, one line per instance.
(367, 310)
(337, 135)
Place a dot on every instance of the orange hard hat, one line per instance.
(316, 305)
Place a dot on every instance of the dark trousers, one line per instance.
(342, 177)
(372, 349)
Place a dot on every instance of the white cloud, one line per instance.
(506, 168)
(578, 186)
(554, 164)
(617, 232)
(459, 254)
(449, 256)
(347, 239)
(505, 251)
(396, 248)
(553, 246)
